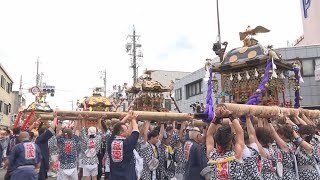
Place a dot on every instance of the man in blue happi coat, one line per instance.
(25, 159)
(120, 150)
(42, 141)
(13, 140)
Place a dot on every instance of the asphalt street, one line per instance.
(3, 172)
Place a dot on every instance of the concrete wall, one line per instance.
(310, 89)
(6, 98)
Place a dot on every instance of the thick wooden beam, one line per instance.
(142, 115)
(264, 111)
(169, 117)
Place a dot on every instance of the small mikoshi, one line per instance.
(32, 112)
(255, 74)
(96, 102)
(148, 95)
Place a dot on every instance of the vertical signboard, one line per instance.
(317, 74)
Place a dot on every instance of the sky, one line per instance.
(75, 39)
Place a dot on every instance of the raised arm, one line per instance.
(281, 143)
(161, 133)
(181, 131)
(144, 132)
(59, 129)
(300, 142)
(239, 145)
(253, 137)
(214, 125)
(306, 120)
(127, 117)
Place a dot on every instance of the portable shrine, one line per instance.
(148, 95)
(28, 115)
(255, 74)
(96, 102)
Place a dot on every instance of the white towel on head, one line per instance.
(92, 131)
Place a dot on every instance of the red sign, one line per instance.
(186, 151)
(68, 146)
(117, 151)
(34, 90)
(29, 151)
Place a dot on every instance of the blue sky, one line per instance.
(75, 39)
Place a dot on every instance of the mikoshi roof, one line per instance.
(148, 84)
(245, 57)
(97, 100)
(39, 107)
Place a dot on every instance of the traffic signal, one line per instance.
(49, 90)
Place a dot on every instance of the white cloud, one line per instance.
(76, 39)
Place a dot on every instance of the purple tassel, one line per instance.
(255, 98)
(297, 92)
(209, 107)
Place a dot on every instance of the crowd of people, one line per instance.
(282, 146)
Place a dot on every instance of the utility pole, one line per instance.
(105, 82)
(37, 77)
(134, 65)
(104, 78)
(131, 49)
(20, 91)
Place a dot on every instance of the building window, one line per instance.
(1, 106)
(178, 94)
(308, 67)
(9, 108)
(8, 87)
(5, 109)
(3, 82)
(193, 89)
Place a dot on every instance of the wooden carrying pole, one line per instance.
(263, 111)
(142, 115)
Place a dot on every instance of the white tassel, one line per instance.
(247, 75)
(274, 67)
(301, 79)
(282, 75)
(274, 74)
(231, 77)
(239, 77)
(207, 75)
(256, 74)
